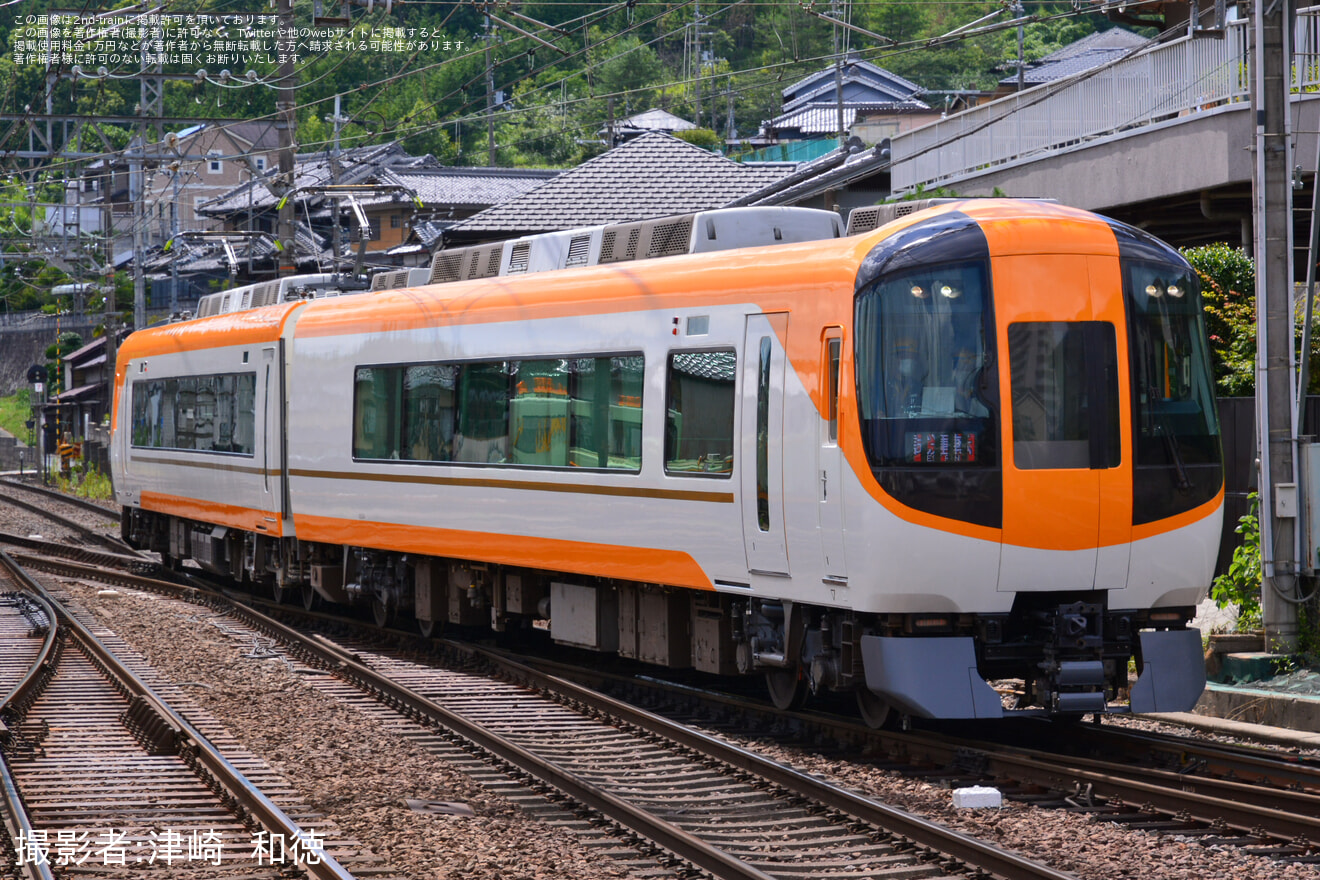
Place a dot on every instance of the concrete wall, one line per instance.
(25, 344)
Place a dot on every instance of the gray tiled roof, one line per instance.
(855, 70)
(465, 188)
(1086, 54)
(654, 175)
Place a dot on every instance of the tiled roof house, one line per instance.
(653, 175)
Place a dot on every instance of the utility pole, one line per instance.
(174, 233)
(490, 95)
(286, 128)
(339, 120)
(838, 79)
(1275, 404)
(696, 54)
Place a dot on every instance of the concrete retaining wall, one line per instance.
(1260, 707)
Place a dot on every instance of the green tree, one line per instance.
(1228, 290)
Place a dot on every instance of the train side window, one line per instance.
(699, 404)
(1065, 394)
(428, 412)
(605, 391)
(763, 436)
(832, 350)
(483, 413)
(206, 413)
(376, 393)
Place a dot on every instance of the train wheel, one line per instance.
(428, 628)
(876, 712)
(380, 612)
(280, 594)
(787, 688)
(309, 597)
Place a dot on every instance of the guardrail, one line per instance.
(1179, 78)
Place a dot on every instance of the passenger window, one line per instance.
(554, 412)
(699, 413)
(483, 413)
(605, 392)
(428, 412)
(376, 392)
(1065, 394)
(209, 413)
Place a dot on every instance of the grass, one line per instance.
(92, 485)
(14, 411)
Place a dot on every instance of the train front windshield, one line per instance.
(1175, 423)
(921, 356)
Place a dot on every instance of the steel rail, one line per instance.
(653, 828)
(81, 554)
(988, 858)
(1041, 769)
(16, 824)
(188, 742)
(58, 496)
(104, 540)
(16, 818)
(1209, 800)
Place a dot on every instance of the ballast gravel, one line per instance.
(360, 776)
(343, 764)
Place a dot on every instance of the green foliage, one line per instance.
(1228, 289)
(700, 137)
(1240, 585)
(90, 484)
(15, 410)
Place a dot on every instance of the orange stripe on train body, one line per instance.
(647, 564)
(213, 512)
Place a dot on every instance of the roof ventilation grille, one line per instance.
(518, 257)
(671, 238)
(579, 251)
(446, 266)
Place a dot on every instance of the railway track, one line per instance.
(111, 776)
(1261, 803)
(12, 489)
(1267, 803)
(722, 810)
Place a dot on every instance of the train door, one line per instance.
(1066, 484)
(830, 489)
(270, 384)
(761, 445)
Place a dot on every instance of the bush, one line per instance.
(1240, 585)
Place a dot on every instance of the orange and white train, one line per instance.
(976, 444)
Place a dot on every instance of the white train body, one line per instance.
(749, 505)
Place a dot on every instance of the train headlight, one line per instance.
(1175, 291)
(1153, 291)
(919, 292)
(949, 292)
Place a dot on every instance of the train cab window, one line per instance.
(208, 413)
(1175, 422)
(924, 393)
(1064, 378)
(699, 413)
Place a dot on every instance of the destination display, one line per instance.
(941, 447)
